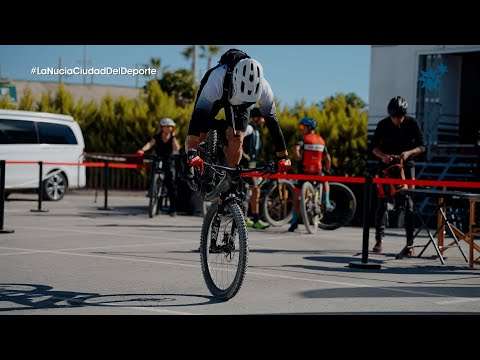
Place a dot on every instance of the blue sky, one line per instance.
(295, 72)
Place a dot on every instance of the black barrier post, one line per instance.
(366, 229)
(2, 198)
(105, 186)
(40, 192)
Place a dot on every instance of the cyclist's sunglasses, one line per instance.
(302, 127)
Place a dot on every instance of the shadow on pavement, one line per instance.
(30, 297)
(441, 293)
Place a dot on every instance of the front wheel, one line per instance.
(345, 204)
(54, 187)
(311, 206)
(277, 204)
(155, 186)
(224, 250)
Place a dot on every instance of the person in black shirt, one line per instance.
(397, 137)
(477, 150)
(165, 142)
(252, 143)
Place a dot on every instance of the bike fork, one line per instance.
(215, 230)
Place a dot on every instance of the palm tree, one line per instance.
(212, 50)
(155, 63)
(191, 53)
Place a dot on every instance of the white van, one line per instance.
(38, 136)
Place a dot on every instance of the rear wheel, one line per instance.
(345, 204)
(54, 187)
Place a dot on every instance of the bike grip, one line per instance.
(140, 153)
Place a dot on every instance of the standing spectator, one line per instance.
(252, 142)
(166, 143)
(397, 136)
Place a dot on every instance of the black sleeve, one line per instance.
(377, 137)
(419, 140)
(275, 132)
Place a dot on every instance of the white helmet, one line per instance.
(247, 81)
(167, 122)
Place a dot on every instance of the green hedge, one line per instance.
(120, 125)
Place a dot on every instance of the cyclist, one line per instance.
(166, 143)
(252, 143)
(235, 84)
(397, 136)
(310, 150)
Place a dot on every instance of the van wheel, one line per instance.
(54, 187)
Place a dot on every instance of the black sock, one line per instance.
(255, 217)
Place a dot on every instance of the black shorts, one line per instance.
(237, 117)
(202, 121)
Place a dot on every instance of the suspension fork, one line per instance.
(224, 200)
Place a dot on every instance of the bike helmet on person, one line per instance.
(167, 122)
(247, 82)
(308, 121)
(397, 106)
(255, 112)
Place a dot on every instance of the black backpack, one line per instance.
(230, 58)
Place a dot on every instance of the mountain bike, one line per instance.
(157, 191)
(276, 201)
(224, 236)
(314, 211)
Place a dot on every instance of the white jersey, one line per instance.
(213, 91)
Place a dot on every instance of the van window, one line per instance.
(17, 132)
(55, 134)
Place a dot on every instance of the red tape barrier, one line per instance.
(307, 177)
(343, 179)
(86, 164)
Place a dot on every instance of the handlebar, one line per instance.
(270, 167)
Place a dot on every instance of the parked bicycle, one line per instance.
(157, 193)
(313, 209)
(277, 201)
(224, 236)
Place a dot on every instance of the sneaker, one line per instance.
(378, 248)
(406, 252)
(261, 225)
(172, 213)
(293, 226)
(249, 223)
(330, 207)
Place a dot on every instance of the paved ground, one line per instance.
(77, 259)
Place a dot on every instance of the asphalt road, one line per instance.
(76, 259)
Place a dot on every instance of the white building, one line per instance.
(449, 115)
